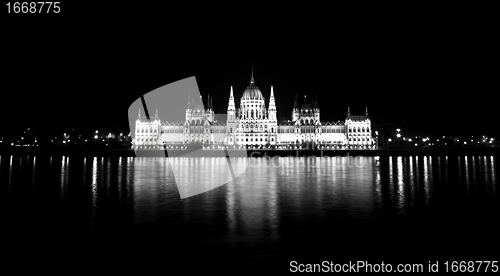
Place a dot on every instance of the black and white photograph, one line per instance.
(253, 138)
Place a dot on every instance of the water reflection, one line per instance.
(94, 191)
(64, 177)
(273, 197)
(10, 173)
(493, 175)
(427, 179)
(33, 173)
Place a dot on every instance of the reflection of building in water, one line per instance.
(254, 123)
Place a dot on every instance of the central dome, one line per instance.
(252, 92)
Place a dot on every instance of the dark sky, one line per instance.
(84, 68)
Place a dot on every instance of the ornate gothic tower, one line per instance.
(231, 108)
(272, 123)
(210, 110)
(232, 121)
(188, 109)
(272, 107)
(295, 111)
(316, 109)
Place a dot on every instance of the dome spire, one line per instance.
(252, 92)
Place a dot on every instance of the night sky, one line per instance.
(430, 72)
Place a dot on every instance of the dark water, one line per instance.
(341, 208)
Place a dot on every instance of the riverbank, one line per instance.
(252, 153)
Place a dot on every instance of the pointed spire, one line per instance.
(156, 114)
(189, 101)
(315, 102)
(231, 105)
(252, 79)
(366, 112)
(295, 104)
(139, 116)
(348, 111)
(272, 104)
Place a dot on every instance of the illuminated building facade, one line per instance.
(255, 124)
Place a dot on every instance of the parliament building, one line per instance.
(253, 124)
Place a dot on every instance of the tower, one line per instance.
(316, 109)
(210, 110)
(231, 123)
(273, 123)
(188, 109)
(272, 106)
(231, 109)
(295, 111)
